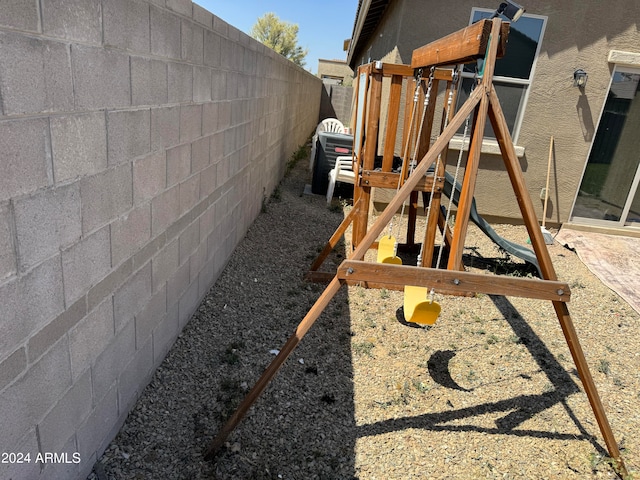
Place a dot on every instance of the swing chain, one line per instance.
(455, 182)
(418, 77)
(454, 87)
(429, 85)
(413, 161)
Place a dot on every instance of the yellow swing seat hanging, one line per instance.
(387, 250)
(419, 306)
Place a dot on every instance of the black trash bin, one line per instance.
(330, 146)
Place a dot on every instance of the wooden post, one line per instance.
(368, 154)
(433, 220)
(463, 46)
(335, 238)
(392, 123)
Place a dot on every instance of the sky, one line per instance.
(323, 26)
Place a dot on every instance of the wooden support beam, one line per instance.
(392, 122)
(389, 180)
(444, 74)
(463, 46)
(315, 276)
(432, 201)
(367, 156)
(324, 277)
(335, 238)
(388, 69)
(463, 282)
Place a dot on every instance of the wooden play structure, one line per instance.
(420, 171)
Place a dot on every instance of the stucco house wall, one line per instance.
(577, 35)
(335, 69)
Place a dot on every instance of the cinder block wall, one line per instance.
(137, 141)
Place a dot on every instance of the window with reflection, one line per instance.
(513, 73)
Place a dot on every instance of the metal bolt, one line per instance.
(560, 292)
(349, 271)
(456, 281)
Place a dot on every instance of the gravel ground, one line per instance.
(490, 391)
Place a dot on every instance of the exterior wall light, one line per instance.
(509, 9)
(580, 78)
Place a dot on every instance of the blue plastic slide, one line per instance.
(515, 249)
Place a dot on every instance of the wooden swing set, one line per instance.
(422, 171)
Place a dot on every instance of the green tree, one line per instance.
(280, 36)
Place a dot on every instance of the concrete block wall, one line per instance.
(137, 141)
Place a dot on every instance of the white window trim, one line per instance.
(624, 59)
(489, 145)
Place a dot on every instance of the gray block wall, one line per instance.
(137, 140)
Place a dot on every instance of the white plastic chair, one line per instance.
(327, 125)
(330, 125)
(341, 172)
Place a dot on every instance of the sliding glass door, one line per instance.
(608, 193)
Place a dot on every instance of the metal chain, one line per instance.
(412, 160)
(455, 182)
(416, 96)
(454, 86)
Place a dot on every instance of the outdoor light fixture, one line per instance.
(509, 9)
(580, 78)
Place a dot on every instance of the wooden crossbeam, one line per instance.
(389, 180)
(454, 281)
(463, 46)
(392, 122)
(389, 69)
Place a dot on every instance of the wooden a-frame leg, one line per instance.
(447, 237)
(335, 238)
(562, 311)
(468, 184)
(411, 219)
(432, 213)
(501, 130)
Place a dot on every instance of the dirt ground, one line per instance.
(490, 391)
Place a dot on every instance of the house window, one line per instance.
(513, 73)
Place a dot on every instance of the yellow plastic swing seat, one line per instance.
(386, 251)
(418, 308)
